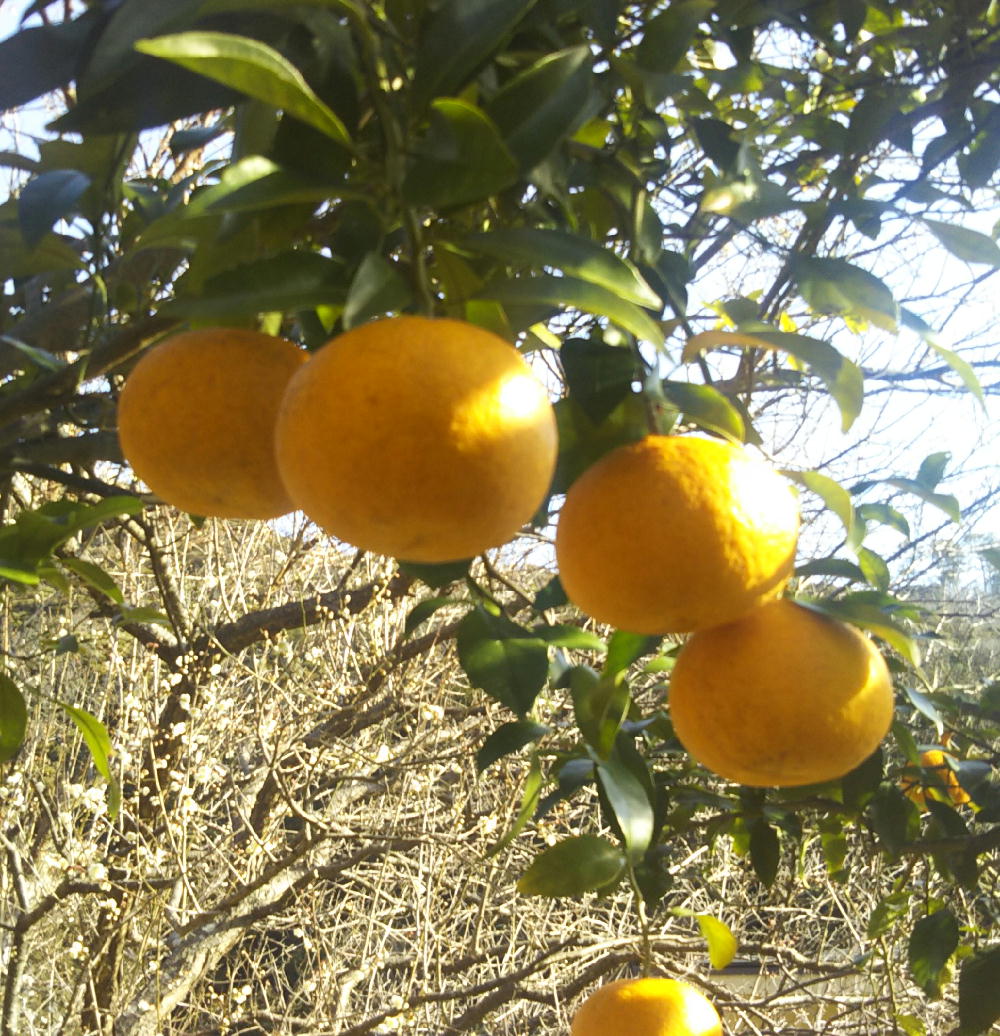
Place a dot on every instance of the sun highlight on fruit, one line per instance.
(647, 1007)
(784, 696)
(672, 534)
(196, 421)
(425, 439)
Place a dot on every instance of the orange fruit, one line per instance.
(647, 1007)
(425, 439)
(942, 781)
(783, 696)
(671, 534)
(196, 421)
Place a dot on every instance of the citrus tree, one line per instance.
(757, 223)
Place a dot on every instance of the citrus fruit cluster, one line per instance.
(688, 535)
(428, 440)
(431, 440)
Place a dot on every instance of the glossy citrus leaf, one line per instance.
(462, 159)
(765, 851)
(13, 718)
(629, 801)
(94, 577)
(599, 376)
(542, 247)
(545, 103)
(95, 735)
(507, 739)
(584, 863)
(48, 198)
(458, 37)
(509, 663)
(837, 286)
(979, 992)
(574, 293)
(707, 407)
(932, 942)
(251, 67)
(842, 378)
(963, 243)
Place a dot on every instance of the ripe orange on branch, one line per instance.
(672, 534)
(196, 421)
(784, 696)
(647, 1007)
(425, 439)
(942, 779)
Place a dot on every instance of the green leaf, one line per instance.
(888, 910)
(43, 58)
(529, 803)
(722, 944)
(544, 104)
(833, 842)
(48, 198)
(276, 284)
(932, 469)
(893, 818)
(95, 577)
(600, 705)
(552, 595)
(666, 37)
(599, 376)
(629, 801)
(960, 366)
(832, 493)
(837, 286)
(942, 501)
(574, 293)
(765, 851)
(251, 67)
(423, 610)
(436, 576)
(40, 358)
(50, 255)
(842, 378)
(869, 617)
(932, 942)
(567, 636)
(874, 568)
(463, 158)
(541, 247)
(966, 244)
(457, 38)
(924, 705)
(378, 288)
(625, 648)
(979, 992)
(13, 718)
(128, 616)
(884, 514)
(507, 662)
(837, 568)
(507, 739)
(707, 407)
(95, 735)
(572, 867)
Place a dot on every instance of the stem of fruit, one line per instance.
(645, 944)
